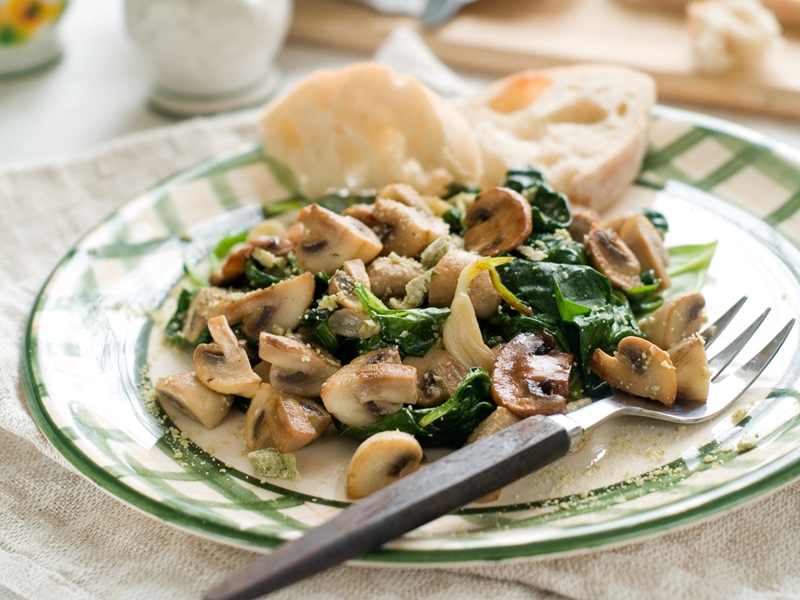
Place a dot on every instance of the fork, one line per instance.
(483, 467)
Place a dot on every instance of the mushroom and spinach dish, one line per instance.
(410, 321)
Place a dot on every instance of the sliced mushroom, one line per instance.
(274, 244)
(389, 275)
(369, 388)
(498, 220)
(232, 268)
(485, 298)
(531, 376)
(223, 366)
(615, 223)
(676, 319)
(407, 195)
(267, 227)
(256, 431)
(582, 220)
(499, 419)
(195, 400)
(207, 303)
(638, 367)
(645, 241)
(331, 239)
(352, 323)
(609, 255)
(362, 213)
(380, 460)
(438, 376)
(691, 369)
(294, 422)
(405, 230)
(278, 307)
(297, 368)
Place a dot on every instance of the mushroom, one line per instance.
(208, 302)
(405, 230)
(608, 254)
(274, 244)
(232, 268)
(256, 432)
(278, 307)
(370, 387)
(500, 418)
(582, 220)
(380, 460)
(195, 400)
(331, 239)
(644, 240)
(405, 194)
(499, 219)
(343, 283)
(223, 366)
(676, 319)
(297, 368)
(485, 298)
(438, 376)
(294, 422)
(267, 227)
(363, 213)
(531, 376)
(389, 275)
(691, 369)
(352, 323)
(638, 367)
(615, 223)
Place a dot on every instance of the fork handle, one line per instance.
(435, 490)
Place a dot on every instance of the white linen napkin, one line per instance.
(62, 537)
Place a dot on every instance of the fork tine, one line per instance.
(727, 354)
(711, 332)
(722, 394)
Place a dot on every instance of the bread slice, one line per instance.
(584, 126)
(365, 126)
(786, 11)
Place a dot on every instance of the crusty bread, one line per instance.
(584, 126)
(363, 127)
(786, 11)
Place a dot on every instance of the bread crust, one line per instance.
(586, 129)
(363, 127)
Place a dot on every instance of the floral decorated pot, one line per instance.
(28, 39)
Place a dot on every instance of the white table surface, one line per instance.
(99, 91)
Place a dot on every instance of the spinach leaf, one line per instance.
(446, 425)
(174, 328)
(688, 266)
(454, 189)
(513, 324)
(560, 249)
(317, 320)
(257, 276)
(550, 209)
(455, 220)
(658, 220)
(414, 330)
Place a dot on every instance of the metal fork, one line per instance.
(483, 467)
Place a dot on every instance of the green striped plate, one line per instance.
(94, 345)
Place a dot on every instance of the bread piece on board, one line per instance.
(363, 127)
(786, 11)
(584, 126)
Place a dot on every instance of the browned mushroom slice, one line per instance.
(405, 230)
(297, 368)
(380, 460)
(639, 368)
(582, 220)
(223, 366)
(232, 268)
(294, 422)
(278, 307)
(353, 323)
(691, 369)
(256, 432)
(368, 389)
(331, 239)
(197, 401)
(207, 303)
(615, 223)
(389, 275)
(407, 195)
(498, 220)
(363, 213)
(531, 376)
(444, 281)
(274, 244)
(676, 319)
(609, 255)
(645, 241)
(389, 354)
(438, 376)
(498, 420)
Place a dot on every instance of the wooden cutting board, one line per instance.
(503, 36)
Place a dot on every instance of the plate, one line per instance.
(94, 347)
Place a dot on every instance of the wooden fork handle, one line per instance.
(435, 490)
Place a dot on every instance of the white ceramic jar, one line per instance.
(210, 55)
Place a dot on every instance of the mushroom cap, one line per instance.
(691, 369)
(207, 303)
(280, 305)
(438, 375)
(531, 376)
(256, 431)
(608, 254)
(404, 230)
(638, 367)
(482, 293)
(646, 243)
(294, 422)
(233, 267)
(389, 275)
(194, 399)
(499, 219)
(676, 319)
(332, 239)
(380, 460)
(223, 365)
(297, 368)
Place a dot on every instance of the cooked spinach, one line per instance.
(317, 321)
(336, 201)
(446, 425)
(688, 266)
(455, 220)
(258, 277)
(560, 249)
(174, 329)
(550, 209)
(658, 220)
